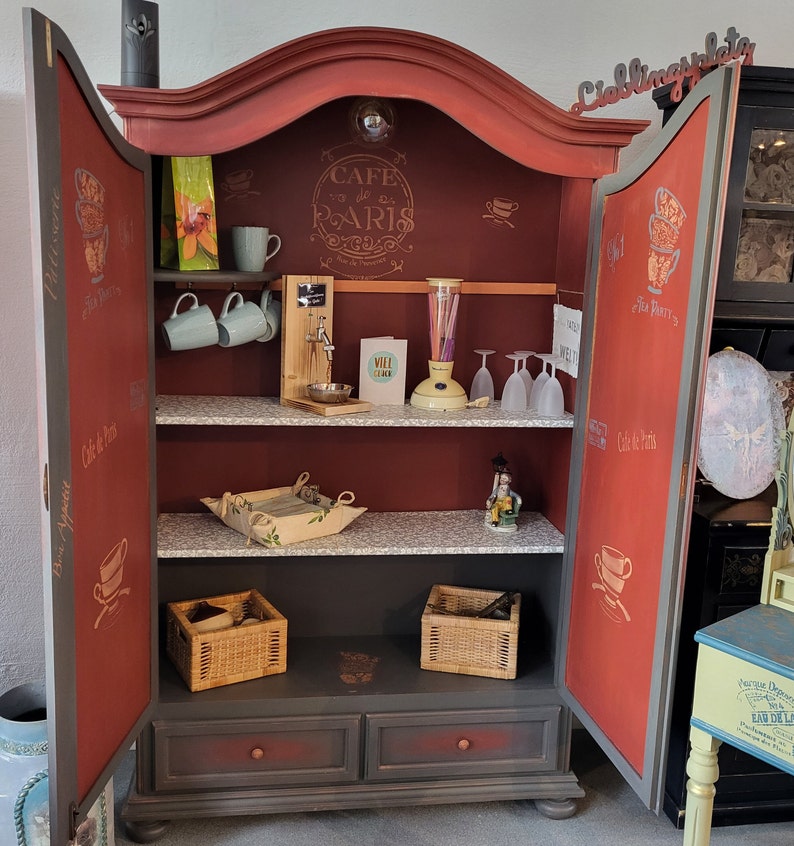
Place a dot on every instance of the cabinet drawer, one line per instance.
(217, 754)
(461, 743)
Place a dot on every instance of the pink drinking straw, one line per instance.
(448, 353)
(442, 303)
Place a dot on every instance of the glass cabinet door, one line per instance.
(757, 262)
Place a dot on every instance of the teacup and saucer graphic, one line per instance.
(613, 568)
(499, 211)
(108, 591)
(664, 228)
(237, 184)
(90, 211)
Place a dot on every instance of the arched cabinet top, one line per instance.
(277, 87)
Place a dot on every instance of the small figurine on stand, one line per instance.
(504, 503)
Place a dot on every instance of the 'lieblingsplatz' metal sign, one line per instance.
(636, 78)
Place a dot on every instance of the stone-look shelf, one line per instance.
(266, 411)
(373, 533)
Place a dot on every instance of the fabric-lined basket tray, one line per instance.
(280, 516)
(234, 654)
(456, 641)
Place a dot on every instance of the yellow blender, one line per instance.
(440, 391)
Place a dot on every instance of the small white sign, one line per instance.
(566, 337)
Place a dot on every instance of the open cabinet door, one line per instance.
(91, 234)
(655, 235)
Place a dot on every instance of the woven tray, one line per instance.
(239, 653)
(281, 516)
(470, 646)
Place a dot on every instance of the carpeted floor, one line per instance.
(610, 813)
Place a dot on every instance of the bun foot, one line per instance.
(145, 832)
(556, 809)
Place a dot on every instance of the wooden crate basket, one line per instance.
(471, 646)
(227, 656)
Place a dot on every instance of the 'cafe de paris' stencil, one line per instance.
(363, 214)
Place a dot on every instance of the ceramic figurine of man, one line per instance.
(504, 503)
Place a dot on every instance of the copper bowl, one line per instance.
(329, 391)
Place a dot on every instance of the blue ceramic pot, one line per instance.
(24, 786)
(24, 817)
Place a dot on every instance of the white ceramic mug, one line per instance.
(251, 246)
(272, 311)
(188, 330)
(240, 323)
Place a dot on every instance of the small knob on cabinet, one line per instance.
(257, 753)
(463, 744)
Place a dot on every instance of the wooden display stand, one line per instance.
(305, 300)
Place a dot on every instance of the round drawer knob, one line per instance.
(463, 744)
(257, 754)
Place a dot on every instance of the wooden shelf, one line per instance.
(209, 280)
(373, 533)
(399, 286)
(221, 279)
(173, 410)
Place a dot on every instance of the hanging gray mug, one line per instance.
(272, 310)
(190, 329)
(240, 323)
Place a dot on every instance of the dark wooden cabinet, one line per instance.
(753, 313)
(756, 266)
(319, 735)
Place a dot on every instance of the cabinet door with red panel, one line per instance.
(650, 301)
(92, 274)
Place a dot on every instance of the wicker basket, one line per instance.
(471, 646)
(212, 659)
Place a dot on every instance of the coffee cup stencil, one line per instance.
(108, 590)
(238, 181)
(499, 211)
(90, 210)
(614, 569)
(664, 229)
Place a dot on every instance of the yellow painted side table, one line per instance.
(744, 695)
(744, 680)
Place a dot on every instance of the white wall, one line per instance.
(549, 46)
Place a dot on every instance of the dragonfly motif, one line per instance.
(745, 439)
